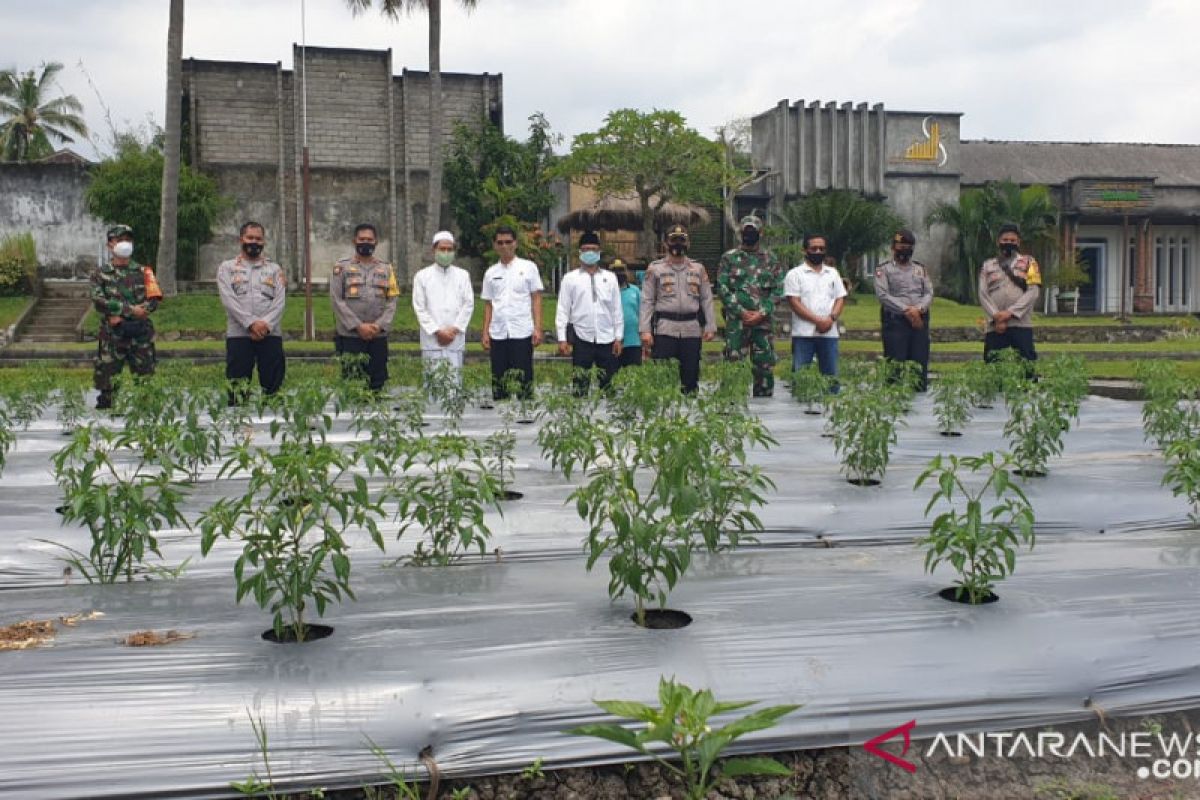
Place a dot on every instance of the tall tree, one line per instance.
(33, 118)
(393, 9)
(169, 226)
(853, 225)
(654, 156)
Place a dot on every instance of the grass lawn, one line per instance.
(11, 308)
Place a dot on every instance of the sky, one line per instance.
(1047, 70)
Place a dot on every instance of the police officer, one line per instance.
(1008, 291)
(253, 290)
(677, 309)
(363, 291)
(749, 283)
(124, 293)
(905, 295)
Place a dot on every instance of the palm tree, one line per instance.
(32, 118)
(169, 222)
(853, 225)
(393, 9)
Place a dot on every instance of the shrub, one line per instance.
(18, 264)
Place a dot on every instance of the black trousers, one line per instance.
(903, 342)
(685, 350)
(242, 354)
(1020, 339)
(512, 354)
(376, 350)
(584, 356)
(631, 356)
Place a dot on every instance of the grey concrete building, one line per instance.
(368, 141)
(1131, 211)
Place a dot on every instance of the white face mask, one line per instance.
(123, 249)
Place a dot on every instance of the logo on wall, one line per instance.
(932, 148)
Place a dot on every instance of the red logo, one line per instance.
(904, 730)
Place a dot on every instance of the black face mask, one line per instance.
(750, 237)
(903, 254)
(1009, 249)
(815, 257)
(676, 248)
(364, 249)
(252, 249)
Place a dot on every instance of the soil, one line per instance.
(1030, 473)
(663, 619)
(311, 634)
(155, 639)
(36, 632)
(951, 593)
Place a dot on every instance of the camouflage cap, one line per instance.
(119, 230)
(751, 221)
(677, 232)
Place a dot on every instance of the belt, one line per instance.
(677, 317)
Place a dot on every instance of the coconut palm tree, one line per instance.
(393, 9)
(169, 221)
(33, 119)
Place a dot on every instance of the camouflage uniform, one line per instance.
(751, 280)
(115, 291)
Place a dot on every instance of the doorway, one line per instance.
(1092, 254)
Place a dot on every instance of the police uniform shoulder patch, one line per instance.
(879, 271)
(337, 269)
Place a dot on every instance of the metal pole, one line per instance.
(310, 328)
(1124, 266)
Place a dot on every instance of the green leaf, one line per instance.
(761, 765)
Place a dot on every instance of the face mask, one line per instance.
(444, 258)
(815, 257)
(364, 249)
(590, 257)
(676, 248)
(123, 249)
(903, 254)
(750, 237)
(1009, 249)
(252, 249)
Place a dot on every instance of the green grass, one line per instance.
(11, 308)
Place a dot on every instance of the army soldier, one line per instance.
(124, 293)
(253, 290)
(749, 282)
(677, 309)
(363, 292)
(905, 294)
(1008, 291)
(589, 320)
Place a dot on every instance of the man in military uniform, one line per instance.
(253, 290)
(677, 309)
(1008, 291)
(905, 295)
(749, 282)
(363, 291)
(124, 293)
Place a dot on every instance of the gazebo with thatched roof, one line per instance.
(624, 213)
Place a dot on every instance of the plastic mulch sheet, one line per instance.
(491, 661)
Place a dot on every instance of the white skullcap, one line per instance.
(443, 236)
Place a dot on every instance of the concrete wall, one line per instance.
(47, 201)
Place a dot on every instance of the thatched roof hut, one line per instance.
(625, 214)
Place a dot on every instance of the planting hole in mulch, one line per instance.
(311, 634)
(288, 502)
(812, 412)
(662, 619)
(61, 509)
(1030, 473)
(950, 433)
(864, 481)
(525, 422)
(509, 494)
(953, 596)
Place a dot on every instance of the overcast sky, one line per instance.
(1062, 70)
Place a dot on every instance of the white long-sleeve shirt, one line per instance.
(591, 303)
(443, 298)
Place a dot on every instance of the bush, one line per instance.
(18, 264)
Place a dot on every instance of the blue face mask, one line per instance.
(590, 257)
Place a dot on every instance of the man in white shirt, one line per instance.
(512, 314)
(589, 320)
(816, 294)
(443, 301)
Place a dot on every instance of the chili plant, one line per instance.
(291, 522)
(1183, 471)
(72, 407)
(1035, 427)
(8, 436)
(983, 381)
(979, 543)
(123, 503)
(445, 387)
(682, 725)
(447, 499)
(500, 449)
(863, 423)
(952, 403)
(811, 389)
